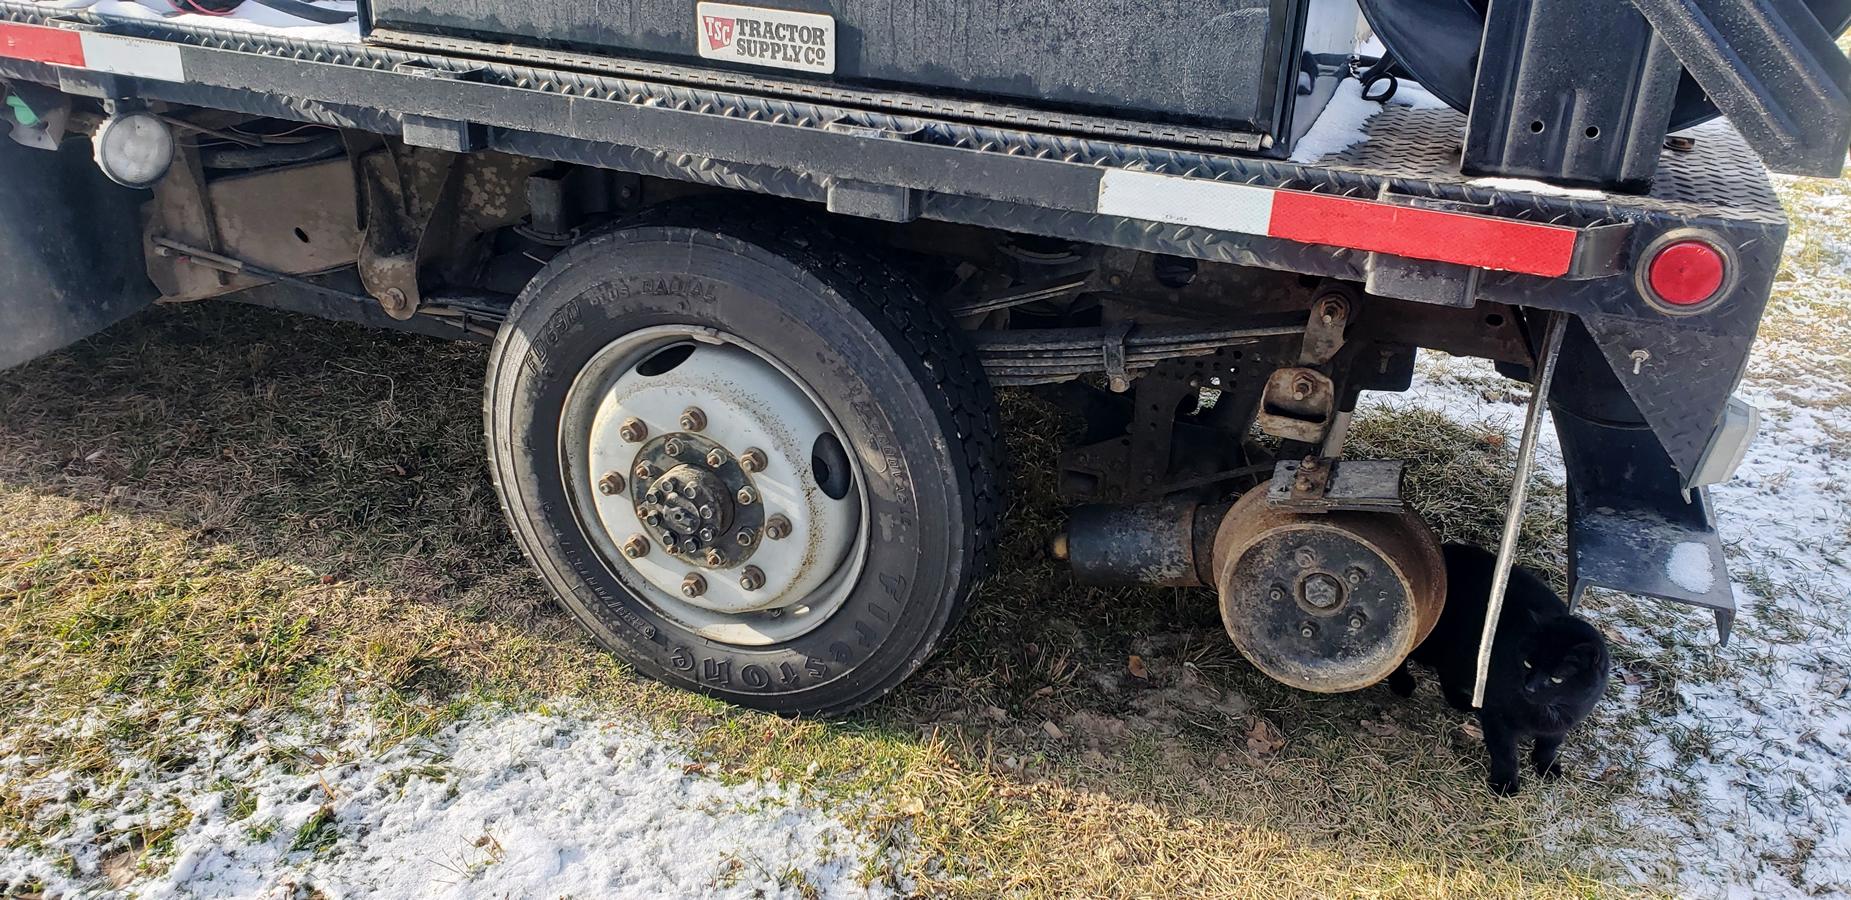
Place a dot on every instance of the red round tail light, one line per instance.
(1687, 272)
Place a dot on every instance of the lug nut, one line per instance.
(745, 537)
(752, 579)
(611, 483)
(1357, 620)
(753, 460)
(777, 528)
(1308, 630)
(716, 458)
(706, 535)
(1276, 594)
(746, 496)
(633, 430)
(1355, 575)
(714, 558)
(672, 447)
(692, 419)
(693, 585)
(645, 470)
(707, 513)
(636, 547)
(1302, 388)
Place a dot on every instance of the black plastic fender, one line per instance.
(70, 251)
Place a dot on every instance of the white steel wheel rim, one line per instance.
(749, 401)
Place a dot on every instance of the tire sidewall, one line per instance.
(917, 519)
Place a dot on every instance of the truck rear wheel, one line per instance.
(749, 458)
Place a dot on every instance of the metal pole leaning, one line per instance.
(1519, 492)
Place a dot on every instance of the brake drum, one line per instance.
(1327, 602)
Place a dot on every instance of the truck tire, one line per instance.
(695, 375)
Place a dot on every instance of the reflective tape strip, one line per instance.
(93, 51)
(138, 57)
(1484, 242)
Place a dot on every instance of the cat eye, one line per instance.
(1556, 680)
(1526, 664)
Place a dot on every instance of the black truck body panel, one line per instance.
(70, 252)
(1232, 66)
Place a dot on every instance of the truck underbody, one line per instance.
(1209, 308)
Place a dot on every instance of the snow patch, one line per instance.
(1691, 568)
(500, 805)
(1528, 186)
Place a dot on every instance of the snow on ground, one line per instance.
(499, 805)
(1751, 778)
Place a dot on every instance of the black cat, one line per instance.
(1548, 668)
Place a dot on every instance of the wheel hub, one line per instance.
(689, 508)
(707, 469)
(1326, 602)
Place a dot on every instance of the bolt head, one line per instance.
(746, 496)
(636, 547)
(611, 483)
(1322, 591)
(693, 585)
(693, 419)
(777, 528)
(645, 470)
(752, 578)
(1276, 594)
(1308, 630)
(1302, 388)
(706, 535)
(672, 447)
(714, 558)
(745, 537)
(633, 430)
(753, 460)
(1358, 620)
(1355, 575)
(707, 513)
(716, 458)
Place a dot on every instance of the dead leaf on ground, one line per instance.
(1263, 739)
(1136, 665)
(1383, 728)
(1052, 730)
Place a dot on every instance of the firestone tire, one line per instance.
(914, 409)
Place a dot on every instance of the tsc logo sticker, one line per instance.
(774, 38)
(719, 31)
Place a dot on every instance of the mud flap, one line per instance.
(70, 251)
(1631, 525)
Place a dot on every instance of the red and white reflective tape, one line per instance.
(90, 50)
(1483, 242)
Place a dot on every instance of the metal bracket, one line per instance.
(1299, 405)
(1117, 370)
(408, 198)
(1317, 485)
(1324, 333)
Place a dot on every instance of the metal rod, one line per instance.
(1519, 492)
(220, 263)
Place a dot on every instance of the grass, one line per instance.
(216, 509)
(246, 511)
